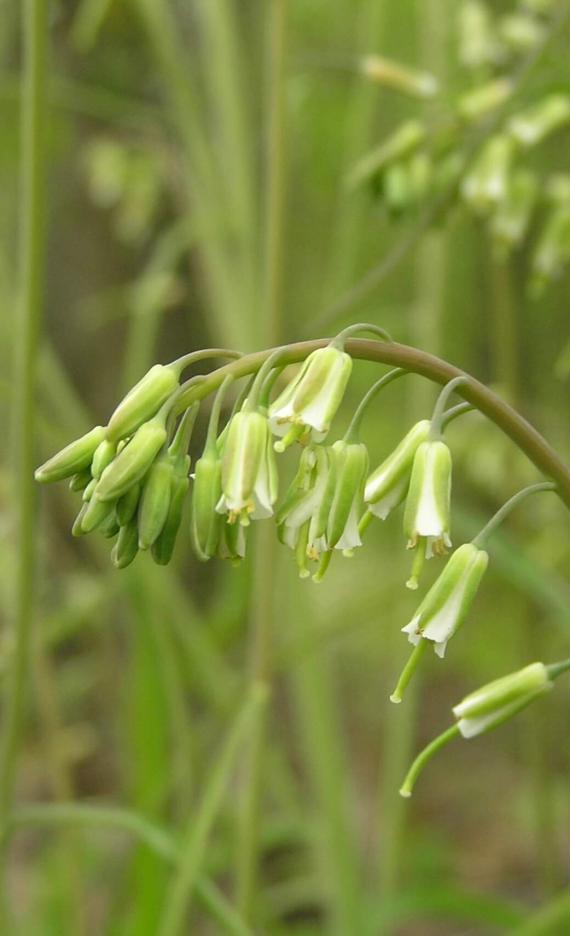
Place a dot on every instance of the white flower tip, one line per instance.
(304, 573)
(279, 446)
(396, 698)
(412, 583)
(405, 793)
(348, 553)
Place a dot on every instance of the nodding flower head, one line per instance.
(306, 408)
(249, 473)
(447, 603)
(499, 700)
(427, 513)
(388, 485)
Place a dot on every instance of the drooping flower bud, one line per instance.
(427, 512)
(163, 546)
(349, 466)
(249, 474)
(447, 603)
(482, 100)
(72, 459)
(155, 500)
(491, 705)
(143, 401)
(387, 486)
(127, 505)
(403, 143)
(308, 405)
(392, 74)
(127, 546)
(301, 503)
(206, 522)
(133, 461)
(103, 456)
(540, 120)
(80, 480)
(510, 221)
(97, 512)
(486, 183)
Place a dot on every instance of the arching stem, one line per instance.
(351, 434)
(425, 756)
(441, 403)
(508, 508)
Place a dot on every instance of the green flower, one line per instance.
(72, 459)
(426, 517)
(489, 706)
(249, 473)
(143, 401)
(447, 603)
(388, 485)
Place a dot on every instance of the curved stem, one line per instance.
(454, 412)
(508, 507)
(351, 433)
(214, 421)
(441, 403)
(409, 670)
(555, 670)
(203, 354)
(351, 330)
(424, 756)
(525, 436)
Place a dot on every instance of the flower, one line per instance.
(426, 517)
(447, 603)
(499, 700)
(308, 405)
(205, 524)
(341, 505)
(133, 460)
(301, 502)
(249, 473)
(388, 485)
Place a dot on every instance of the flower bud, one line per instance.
(133, 461)
(88, 490)
(96, 513)
(249, 476)
(127, 546)
(163, 546)
(482, 100)
(80, 480)
(301, 503)
(447, 603)
(486, 183)
(350, 465)
(103, 456)
(427, 506)
(400, 77)
(404, 142)
(110, 526)
(73, 458)
(205, 525)
(388, 485)
(127, 505)
(310, 402)
(232, 543)
(510, 221)
(143, 401)
(490, 706)
(155, 500)
(536, 123)
(77, 529)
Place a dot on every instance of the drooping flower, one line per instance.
(494, 703)
(388, 484)
(427, 513)
(143, 401)
(447, 603)
(249, 473)
(307, 406)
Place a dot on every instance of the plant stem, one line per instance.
(423, 757)
(351, 434)
(473, 391)
(31, 260)
(508, 507)
(262, 618)
(200, 825)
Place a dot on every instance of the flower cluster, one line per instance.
(134, 477)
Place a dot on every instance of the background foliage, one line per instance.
(159, 184)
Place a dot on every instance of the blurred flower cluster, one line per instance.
(481, 145)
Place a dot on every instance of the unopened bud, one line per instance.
(388, 485)
(155, 500)
(540, 120)
(127, 505)
(143, 401)
(399, 77)
(133, 461)
(103, 456)
(482, 100)
(206, 522)
(127, 546)
(486, 183)
(426, 516)
(163, 546)
(73, 458)
(491, 705)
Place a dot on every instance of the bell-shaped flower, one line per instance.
(388, 484)
(206, 523)
(427, 513)
(307, 406)
(249, 473)
(447, 603)
(489, 706)
(301, 502)
(72, 459)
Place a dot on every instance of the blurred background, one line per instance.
(240, 173)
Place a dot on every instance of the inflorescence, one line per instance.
(134, 479)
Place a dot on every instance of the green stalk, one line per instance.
(31, 262)
(178, 899)
(269, 329)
